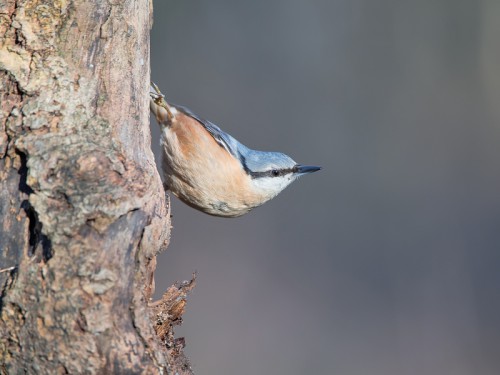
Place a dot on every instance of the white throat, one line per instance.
(269, 187)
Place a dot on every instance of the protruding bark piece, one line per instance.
(168, 312)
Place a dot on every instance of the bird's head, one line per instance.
(271, 172)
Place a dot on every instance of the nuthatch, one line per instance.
(210, 170)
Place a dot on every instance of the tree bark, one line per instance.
(82, 205)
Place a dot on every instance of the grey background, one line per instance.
(385, 262)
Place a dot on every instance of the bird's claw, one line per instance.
(159, 99)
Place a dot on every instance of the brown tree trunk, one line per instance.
(83, 211)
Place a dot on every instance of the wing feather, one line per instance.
(226, 141)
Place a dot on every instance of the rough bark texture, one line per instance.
(83, 210)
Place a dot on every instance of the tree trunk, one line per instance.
(82, 206)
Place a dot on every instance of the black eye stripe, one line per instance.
(275, 172)
(271, 173)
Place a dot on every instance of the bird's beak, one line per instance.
(303, 169)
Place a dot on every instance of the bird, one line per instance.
(210, 170)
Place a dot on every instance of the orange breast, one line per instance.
(204, 174)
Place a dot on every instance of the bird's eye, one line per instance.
(275, 173)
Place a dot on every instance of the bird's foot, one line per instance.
(159, 99)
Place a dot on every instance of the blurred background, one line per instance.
(388, 260)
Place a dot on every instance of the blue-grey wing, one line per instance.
(226, 141)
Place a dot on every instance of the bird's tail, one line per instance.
(159, 106)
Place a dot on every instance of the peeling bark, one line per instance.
(83, 209)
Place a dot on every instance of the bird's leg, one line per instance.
(159, 99)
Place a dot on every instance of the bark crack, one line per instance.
(36, 237)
